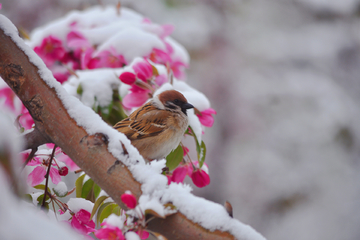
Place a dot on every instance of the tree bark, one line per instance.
(54, 124)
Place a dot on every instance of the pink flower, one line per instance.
(143, 70)
(107, 59)
(180, 173)
(61, 77)
(38, 174)
(50, 50)
(138, 93)
(81, 221)
(167, 30)
(137, 97)
(65, 159)
(206, 117)
(143, 234)
(109, 233)
(159, 56)
(177, 68)
(77, 42)
(63, 171)
(86, 59)
(200, 178)
(9, 96)
(25, 119)
(128, 78)
(186, 150)
(129, 199)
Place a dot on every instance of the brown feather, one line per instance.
(155, 131)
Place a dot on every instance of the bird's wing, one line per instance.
(145, 122)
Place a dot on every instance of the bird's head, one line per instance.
(173, 100)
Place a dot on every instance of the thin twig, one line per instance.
(47, 177)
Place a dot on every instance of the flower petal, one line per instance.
(54, 175)
(36, 176)
(200, 178)
(179, 174)
(129, 200)
(135, 99)
(128, 78)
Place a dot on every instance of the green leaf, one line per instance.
(174, 158)
(97, 190)
(105, 210)
(79, 90)
(97, 204)
(117, 210)
(202, 154)
(79, 185)
(101, 208)
(40, 199)
(28, 198)
(42, 187)
(87, 189)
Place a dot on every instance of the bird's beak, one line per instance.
(187, 106)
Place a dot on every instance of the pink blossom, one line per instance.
(39, 172)
(159, 56)
(50, 50)
(137, 97)
(81, 221)
(179, 174)
(61, 156)
(186, 150)
(143, 234)
(25, 119)
(167, 30)
(177, 68)
(143, 70)
(77, 42)
(206, 117)
(129, 199)
(61, 77)
(63, 171)
(107, 58)
(9, 96)
(110, 233)
(86, 59)
(128, 78)
(200, 178)
(161, 79)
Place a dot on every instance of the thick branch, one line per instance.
(53, 124)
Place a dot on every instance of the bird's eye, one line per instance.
(176, 101)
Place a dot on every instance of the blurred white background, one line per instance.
(284, 77)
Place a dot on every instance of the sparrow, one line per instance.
(157, 127)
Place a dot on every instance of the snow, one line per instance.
(96, 84)
(153, 183)
(210, 215)
(61, 188)
(115, 220)
(125, 40)
(132, 236)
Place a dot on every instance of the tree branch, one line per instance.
(54, 124)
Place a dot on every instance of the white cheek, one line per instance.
(157, 103)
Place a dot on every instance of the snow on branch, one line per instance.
(106, 155)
